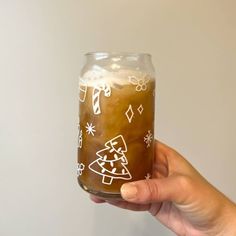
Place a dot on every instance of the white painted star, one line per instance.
(148, 176)
(90, 129)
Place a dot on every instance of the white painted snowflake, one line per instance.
(148, 138)
(90, 128)
(80, 168)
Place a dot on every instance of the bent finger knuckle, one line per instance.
(185, 183)
(152, 193)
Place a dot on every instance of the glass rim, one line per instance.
(107, 53)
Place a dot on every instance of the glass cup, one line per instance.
(116, 121)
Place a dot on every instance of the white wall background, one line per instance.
(41, 52)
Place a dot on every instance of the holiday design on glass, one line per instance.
(140, 109)
(82, 89)
(148, 176)
(112, 161)
(80, 168)
(148, 138)
(80, 138)
(96, 96)
(141, 83)
(90, 128)
(129, 113)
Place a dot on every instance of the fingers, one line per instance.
(96, 199)
(130, 206)
(173, 188)
(122, 204)
(168, 161)
(164, 151)
(163, 160)
(162, 147)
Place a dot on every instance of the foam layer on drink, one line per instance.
(116, 78)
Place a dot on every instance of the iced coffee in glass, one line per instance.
(116, 121)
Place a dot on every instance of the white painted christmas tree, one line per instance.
(112, 161)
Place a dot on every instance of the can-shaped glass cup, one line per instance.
(116, 121)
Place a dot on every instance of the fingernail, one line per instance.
(129, 191)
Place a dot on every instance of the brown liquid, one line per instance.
(116, 152)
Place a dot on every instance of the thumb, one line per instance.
(173, 188)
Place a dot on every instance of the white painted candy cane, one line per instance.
(96, 96)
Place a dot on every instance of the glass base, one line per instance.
(101, 195)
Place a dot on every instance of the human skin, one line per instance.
(179, 197)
